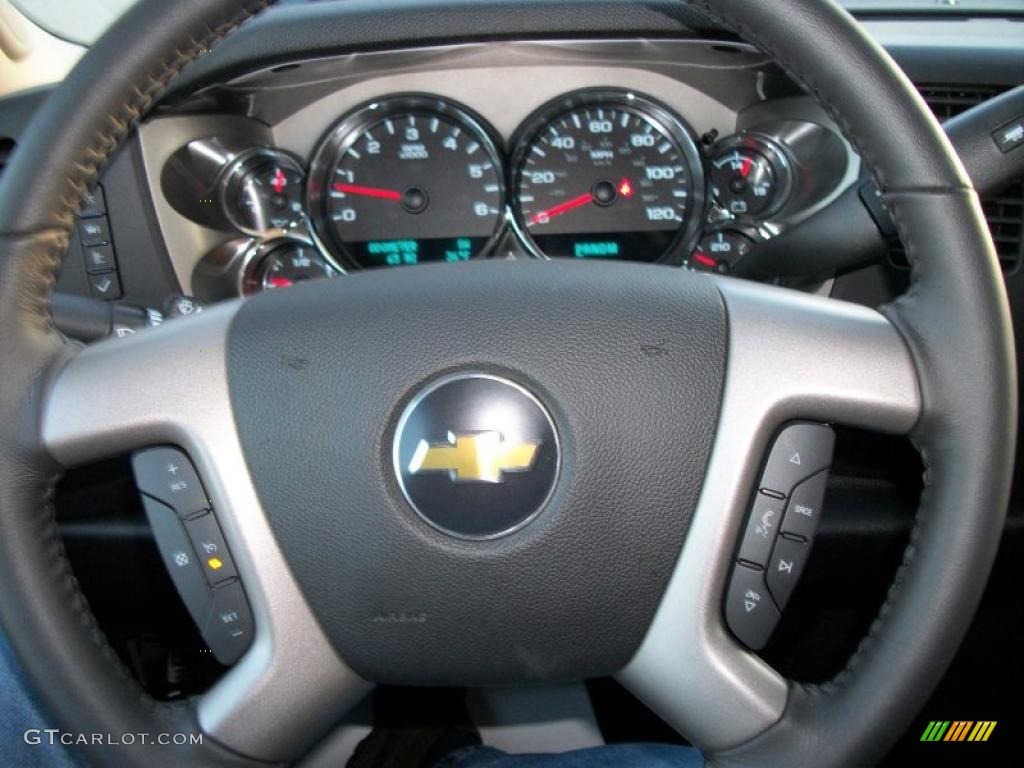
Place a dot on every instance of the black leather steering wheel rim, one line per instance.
(954, 319)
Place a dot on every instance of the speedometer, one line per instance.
(608, 174)
(405, 181)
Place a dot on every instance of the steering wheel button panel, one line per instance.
(179, 557)
(765, 518)
(193, 549)
(788, 560)
(749, 608)
(208, 541)
(803, 512)
(228, 627)
(800, 451)
(167, 474)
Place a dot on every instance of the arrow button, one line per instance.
(750, 611)
(800, 451)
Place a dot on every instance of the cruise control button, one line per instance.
(749, 610)
(228, 627)
(799, 452)
(179, 557)
(209, 545)
(763, 524)
(167, 474)
(804, 509)
(788, 560)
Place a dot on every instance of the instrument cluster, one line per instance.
(411, 179)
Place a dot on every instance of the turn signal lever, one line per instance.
(88, 320)
(855, 228)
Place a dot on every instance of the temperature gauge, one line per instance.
(263, 192)
(750, 177)
(720, 251)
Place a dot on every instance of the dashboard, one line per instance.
(273, 163)
(685, 153)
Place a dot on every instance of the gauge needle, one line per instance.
(280, 181)
(280, 282)
(746, 167)
(557, 210)
(355, 189)
(707, 261)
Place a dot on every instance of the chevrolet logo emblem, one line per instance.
(480, 456)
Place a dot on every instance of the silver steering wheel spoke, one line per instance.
(791, 357)
(169, 385)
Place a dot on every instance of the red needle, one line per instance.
(746, 167)
(561, 208)
(280, 181)
(280, 282)
(355, 189)
(707, 261)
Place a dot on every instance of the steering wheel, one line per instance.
(663, 388)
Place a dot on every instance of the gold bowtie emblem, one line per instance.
(480, 456)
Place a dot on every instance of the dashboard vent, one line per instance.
(6, 148)
(948, 101)
(1005, 210)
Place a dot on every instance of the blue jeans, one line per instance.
(614, 756)
(20, 712)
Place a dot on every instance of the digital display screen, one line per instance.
(406, 252)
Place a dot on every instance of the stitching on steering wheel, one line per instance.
(797, 74)
(105, 144)
(107, 141)
(142, 99)
(909, 554)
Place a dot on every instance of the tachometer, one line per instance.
(609, 175)
(406, 181)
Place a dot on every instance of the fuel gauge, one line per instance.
(263, 266)
(291, 263)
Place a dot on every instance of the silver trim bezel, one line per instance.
(791, 357)
(169, 386)
(229, 185)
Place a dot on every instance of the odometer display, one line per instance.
(608, 175)
(408, 181)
